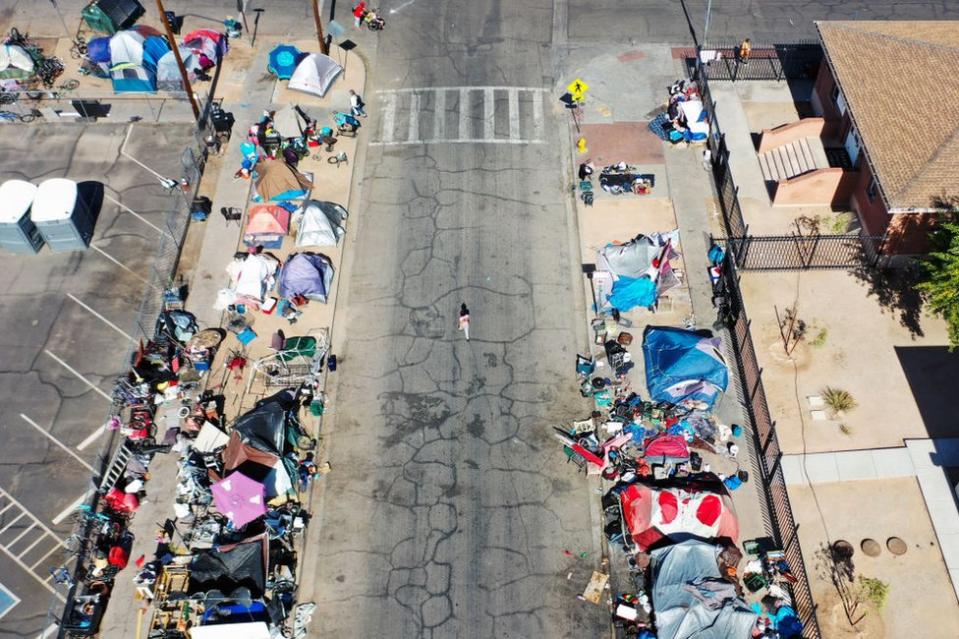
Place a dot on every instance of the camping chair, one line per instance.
(231, 214)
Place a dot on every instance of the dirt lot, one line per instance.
(920, 595)
(896, 377)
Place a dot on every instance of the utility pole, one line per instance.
(179, 60)
(324, 47)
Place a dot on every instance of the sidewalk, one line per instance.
(220, 240)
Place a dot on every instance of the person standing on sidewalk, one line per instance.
(464, 321)
(357, 106)
(745, 48)
(359, 12)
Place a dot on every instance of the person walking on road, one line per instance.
(359, 12)
(357, 106)
(745, 48)
(464, 321)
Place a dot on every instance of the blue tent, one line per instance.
(306, 274)
(283, 60)
(130, 78)
(154, 48)
(683, 366)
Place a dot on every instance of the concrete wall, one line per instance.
(822, 94)
(908, 233)
(822, 187)
(790, 132)
(872, 215)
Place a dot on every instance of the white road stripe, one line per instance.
(79, 376)
(513, 114)
(51, 629)
(476, 88)
(92, 437)
(489, 114)
(538, 115)
(439, 117)
(26, 551)
(101, 317)
(389, 117)
(414, 132)
(118, 263)
(464, 114)
(19, 537)
(57, 442)
(465, 141)
(72, 507)
(138, 216)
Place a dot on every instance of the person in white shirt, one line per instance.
(357, 106)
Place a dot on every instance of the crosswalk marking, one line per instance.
(389, 115)
(464, 114)
(439, 117)
(466, 120)
(414, 135)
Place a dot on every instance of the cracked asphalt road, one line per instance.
(449, 505)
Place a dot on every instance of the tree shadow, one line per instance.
(893, 286)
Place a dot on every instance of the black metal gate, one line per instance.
(799, 251)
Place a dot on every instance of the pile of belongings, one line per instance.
(635, 274)
(238, 513)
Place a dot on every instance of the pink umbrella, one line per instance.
(239, 498)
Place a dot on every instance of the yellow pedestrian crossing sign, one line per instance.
(577, 88)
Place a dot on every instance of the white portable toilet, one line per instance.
(61, 216)
(18, 233)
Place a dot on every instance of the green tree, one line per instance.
(939, 284)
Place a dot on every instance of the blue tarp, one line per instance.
(628, 293)
(154, 48)
(683, 366)
(98, 49)
(306, 274)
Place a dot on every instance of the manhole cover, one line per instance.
(896, 546)
(871, 547)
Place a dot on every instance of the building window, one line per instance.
(838, 99)
(835, 94)
(872, 189)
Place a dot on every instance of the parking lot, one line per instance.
(67, 324)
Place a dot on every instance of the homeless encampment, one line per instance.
(699, 509)
(641, 271)
(314, 74)
(264, 467)
(309, 275)
(683, 367)
(250, 278)
(168, 76)
(320, 223)
(691, 599)
(277, 181)
(231, 566)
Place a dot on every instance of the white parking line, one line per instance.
(513, 114)
(489, 114)
(439, 117)
(118, 263)
(51, 629)
(79, 376)
(72, 507)
(92, 437)
(57, 442)
(414, 133)
(464, 114)
(102, 318)
(138, 216)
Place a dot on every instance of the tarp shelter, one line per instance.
(127, 47)
(264, 427)
(266, 226)
(306, 274)
(15, 62)
(277, 181)
(314, 74)
(231, 566)
(678, 572)
(632, 259)
(240, 498)
(207, 44)
(168, 73)
(320, 223)
(283, 59)
(247, 630)
(650, 514)
(683, 366)
(266, 468)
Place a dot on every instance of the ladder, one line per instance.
(116, 468)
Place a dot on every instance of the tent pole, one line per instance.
(179, 60)
(324, 47)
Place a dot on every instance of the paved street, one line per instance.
(448, 510)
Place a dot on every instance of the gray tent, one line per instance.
(689, 598)
(320, 223)
(632, 259)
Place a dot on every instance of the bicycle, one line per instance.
(11, 116)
